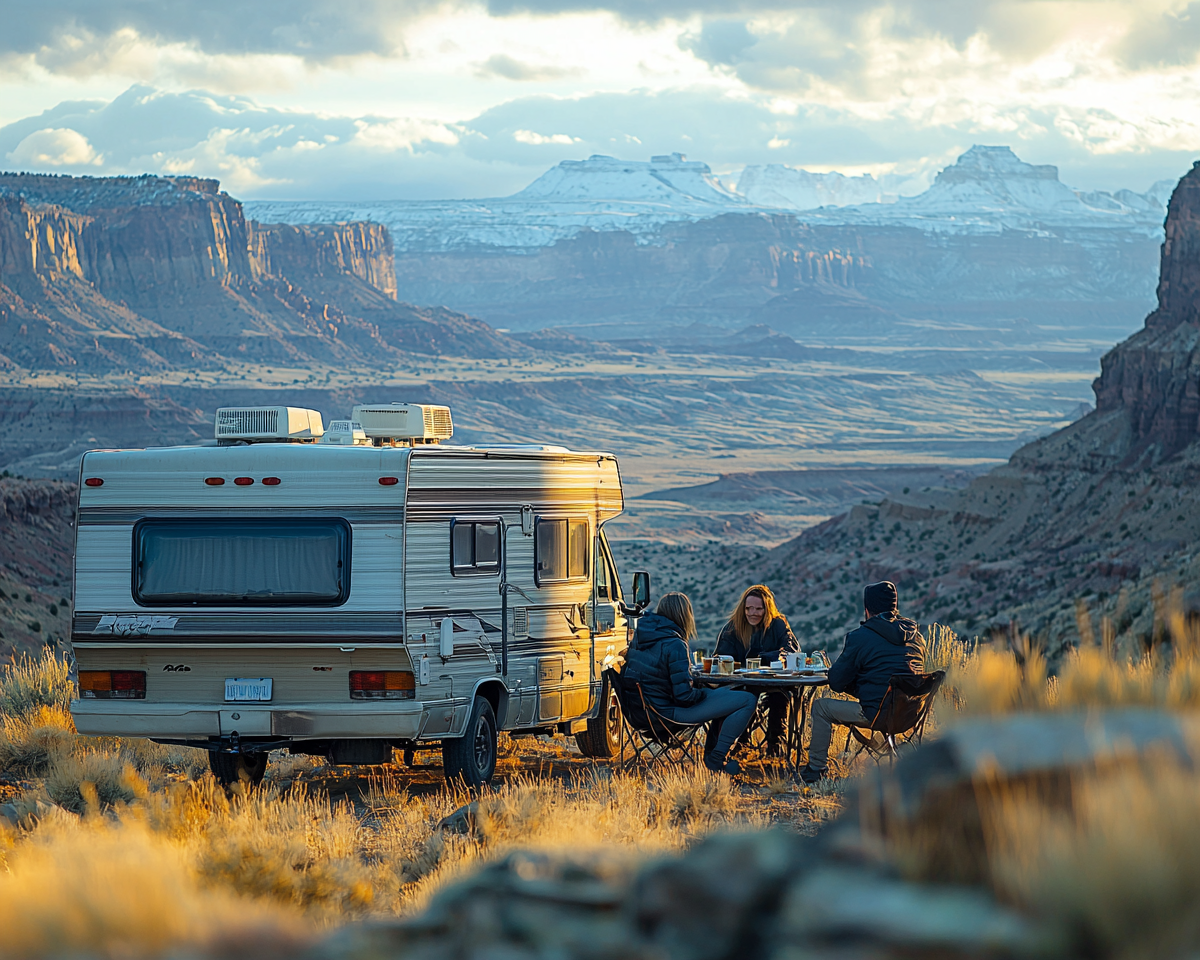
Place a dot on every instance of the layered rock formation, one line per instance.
(1089, 531)
(1155, 376)
(147, 272)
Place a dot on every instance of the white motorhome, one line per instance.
(349, 593)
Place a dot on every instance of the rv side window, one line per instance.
(300, 561)
(474, 548)
(561, 550)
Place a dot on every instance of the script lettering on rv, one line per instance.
(133, 626)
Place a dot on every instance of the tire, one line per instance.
(231, 768)
(602, 738)
(471, 758)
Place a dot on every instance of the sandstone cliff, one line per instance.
(1155, 376)
(149, 272)
(1089, 531)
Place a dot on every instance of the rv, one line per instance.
(349, 592)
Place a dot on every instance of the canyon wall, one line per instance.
(745, 268)
(1154, 377)
(142, 273)
(361, 250)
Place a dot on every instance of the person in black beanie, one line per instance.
(884, 644)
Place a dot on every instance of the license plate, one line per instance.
(241, 688)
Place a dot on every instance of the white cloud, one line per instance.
(538, 140)
(54, 147)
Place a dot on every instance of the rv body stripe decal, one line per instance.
(125, 514)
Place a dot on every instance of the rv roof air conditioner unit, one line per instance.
(347, 433)
(268, 424)
(418, 422)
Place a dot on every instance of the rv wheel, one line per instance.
(230, 768)
(472, 757)
(602, 738)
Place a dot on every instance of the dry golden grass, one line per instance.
(1119, 866)
(129, 849)
(154, 856)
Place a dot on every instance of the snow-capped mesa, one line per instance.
(990, 189)
(778, 185)
(599, 193)
(670, 179)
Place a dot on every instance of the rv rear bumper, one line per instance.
(127, 718)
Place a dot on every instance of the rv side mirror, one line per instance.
(641, 589)
(447, 637)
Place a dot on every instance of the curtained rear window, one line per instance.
(241, 562)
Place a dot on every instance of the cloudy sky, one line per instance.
(371, 99)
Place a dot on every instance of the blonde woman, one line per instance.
(756, 628)
(658, 660)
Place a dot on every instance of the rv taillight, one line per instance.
(382, 685)
(214, 481)
(93, 482)
(270, 481)
(112, 684)
(243, 481)
(389, 481)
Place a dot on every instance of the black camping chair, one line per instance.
(902, 713)
(647, 737)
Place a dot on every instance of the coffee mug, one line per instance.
(726, 664)
(706, 664)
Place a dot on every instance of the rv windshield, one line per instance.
(241, 562)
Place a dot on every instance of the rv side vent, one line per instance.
(268, 423)
(520, 622)
(405, 421)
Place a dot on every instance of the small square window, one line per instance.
(474, 548)
(562, 550)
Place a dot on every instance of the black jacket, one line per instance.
(658, 660)
(881, 647)
(767, 645)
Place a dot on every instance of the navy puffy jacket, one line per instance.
(658, 661)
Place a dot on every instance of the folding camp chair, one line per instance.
(647, 737)
(902, 713)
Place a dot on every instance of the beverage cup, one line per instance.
(706, 664)
(795, 661)
(753, 663)
(726, 665)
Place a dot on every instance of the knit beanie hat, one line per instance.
(880, 597)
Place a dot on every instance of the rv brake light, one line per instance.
(382, 685)
(112, 684)
(270, 481)
(93, 482)
(214, 481)
(389, 481)
(243, 481)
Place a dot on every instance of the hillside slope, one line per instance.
(1093, 525)
(36, 543)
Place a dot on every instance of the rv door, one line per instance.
(606, 620)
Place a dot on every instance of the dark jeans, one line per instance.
(733, 708)
(777, 708)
